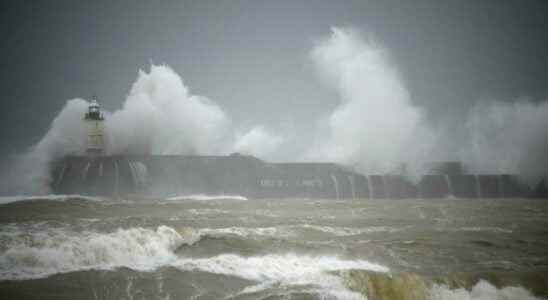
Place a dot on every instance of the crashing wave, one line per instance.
(284, 270)
(29, 255)
(60, 251)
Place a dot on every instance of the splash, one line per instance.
(258, 141)
(375, 126)
(159, 116)
(508, 138)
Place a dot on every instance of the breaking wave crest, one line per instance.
(284, 270)
(26, 256)
(35, 254)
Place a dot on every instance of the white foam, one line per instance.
(483, 290)
(350, 231)
(28, 255)
(484, 229)
(207, 211)
(283, 269)
(52, 197)
(204, 197)
(54, 251)
(246, 232)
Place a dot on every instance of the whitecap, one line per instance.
(277, 232)
(350, 231)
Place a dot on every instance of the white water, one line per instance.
(350, 231)
(204, 197)
(10, 199)
(60, 251)
(35, 254)
(249, 232)
(285, 270)
(139, 173)
(336, 184)
(44, 253)
(292, 231)
(483, 290)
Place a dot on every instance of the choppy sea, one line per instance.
(230, 247)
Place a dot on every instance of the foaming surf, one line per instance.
(52, 197)
(483, 290)
(245, 232)
(350, 231)
(41, 254)
(204, 197)
(298, 256)
(284, 271)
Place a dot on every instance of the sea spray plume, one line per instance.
(375, 126)
(258, 141)
(176, 122)
(29, 172)
(507, 138)
(160, 116)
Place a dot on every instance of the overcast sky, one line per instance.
(253, 57)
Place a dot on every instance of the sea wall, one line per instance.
(166, 176)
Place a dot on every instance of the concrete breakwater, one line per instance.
(165, 176)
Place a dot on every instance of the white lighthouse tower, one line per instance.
(95, 129)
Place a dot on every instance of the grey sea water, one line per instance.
(72, 247)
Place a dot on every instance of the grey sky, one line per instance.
(252, 57)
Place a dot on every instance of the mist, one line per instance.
(507, 138)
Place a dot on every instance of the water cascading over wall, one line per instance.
(168, 176)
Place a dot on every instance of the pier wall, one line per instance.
(168, 176)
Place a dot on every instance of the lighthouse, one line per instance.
(95, 129)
